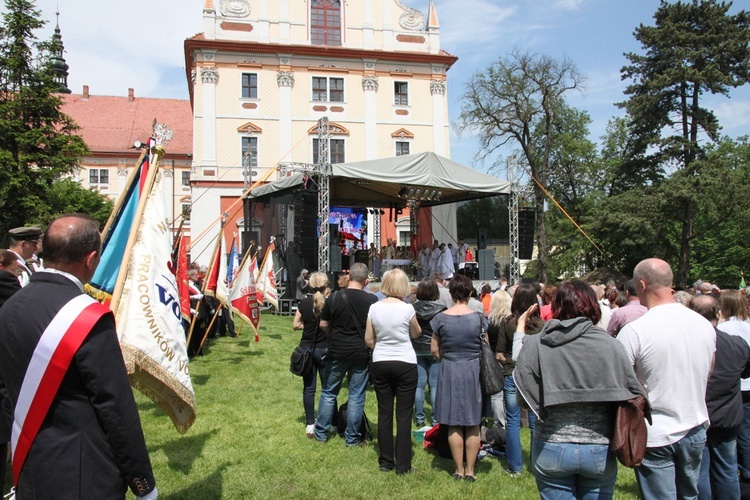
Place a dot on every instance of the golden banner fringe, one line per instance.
(148, 377)
(99, 295)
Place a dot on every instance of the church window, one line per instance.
(325, 22)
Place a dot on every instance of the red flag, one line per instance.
(243, 295)
(182, 279)
(215, 282)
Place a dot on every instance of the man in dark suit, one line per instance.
(90, 443)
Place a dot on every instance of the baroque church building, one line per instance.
(262, 74)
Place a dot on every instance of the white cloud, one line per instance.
(734, 116)
(568, 4)
(112, 47)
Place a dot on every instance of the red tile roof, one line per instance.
(112, 124)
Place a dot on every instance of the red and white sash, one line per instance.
(48, 365)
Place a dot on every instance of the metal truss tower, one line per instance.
(514, 175)
(324, 194)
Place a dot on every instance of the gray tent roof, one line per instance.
(378, 182)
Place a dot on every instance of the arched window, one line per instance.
(325, 22)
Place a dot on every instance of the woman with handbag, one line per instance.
(391, 324)
(314, 339)
(456, 342)
(572, 375)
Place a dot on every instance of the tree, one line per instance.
(694, 48)
(574, 180)
(38, 142)
(67, 195)
(721, 252)
(516, 100)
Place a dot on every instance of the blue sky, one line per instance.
(112, 46)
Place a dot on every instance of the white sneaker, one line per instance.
(310, 431)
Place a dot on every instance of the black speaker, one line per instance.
(481, 239)
(305, 231)
(526, 227)
(333, 233)
(361, 256)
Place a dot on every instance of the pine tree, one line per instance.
(694, 48)
(38, 142)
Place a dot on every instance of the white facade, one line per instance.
(264, 72)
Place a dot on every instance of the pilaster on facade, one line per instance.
(284, 22)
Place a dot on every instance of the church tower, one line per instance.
(57, 61)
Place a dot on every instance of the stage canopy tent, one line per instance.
(377, 183)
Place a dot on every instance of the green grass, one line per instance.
(248, 440)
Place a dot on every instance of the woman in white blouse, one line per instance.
(390, 324)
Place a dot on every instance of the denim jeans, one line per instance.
(743, 442)
(428, 369)
(571, 470)
(719, 469)
(309, 385)
(335, 371)
(513, 426)
(672, 471)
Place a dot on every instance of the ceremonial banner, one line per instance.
(243, 295)
(149, 317)
(116, 235)
(266, 283)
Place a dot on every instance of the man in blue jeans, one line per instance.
(345, 316)
(718, 477)
(672, 349)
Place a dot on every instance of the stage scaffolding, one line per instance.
(322, 170)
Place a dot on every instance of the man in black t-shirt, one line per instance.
(345, 316)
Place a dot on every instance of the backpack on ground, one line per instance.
(365, 431)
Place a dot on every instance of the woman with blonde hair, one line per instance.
(391, 324)
(499, 310)
(307, 319)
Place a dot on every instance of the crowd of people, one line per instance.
(570, 354)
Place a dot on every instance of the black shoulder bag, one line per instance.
(490, 370)
(302, 358)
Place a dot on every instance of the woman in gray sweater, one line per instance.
(571, 376)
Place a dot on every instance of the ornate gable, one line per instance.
(335, 129)
(250, 128)
(402, 133)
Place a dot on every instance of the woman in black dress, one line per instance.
(307, 319)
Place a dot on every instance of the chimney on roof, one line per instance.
(131, 95)
(85, 92)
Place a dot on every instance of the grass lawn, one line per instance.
(248, 440)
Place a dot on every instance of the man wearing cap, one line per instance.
(23, 243)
